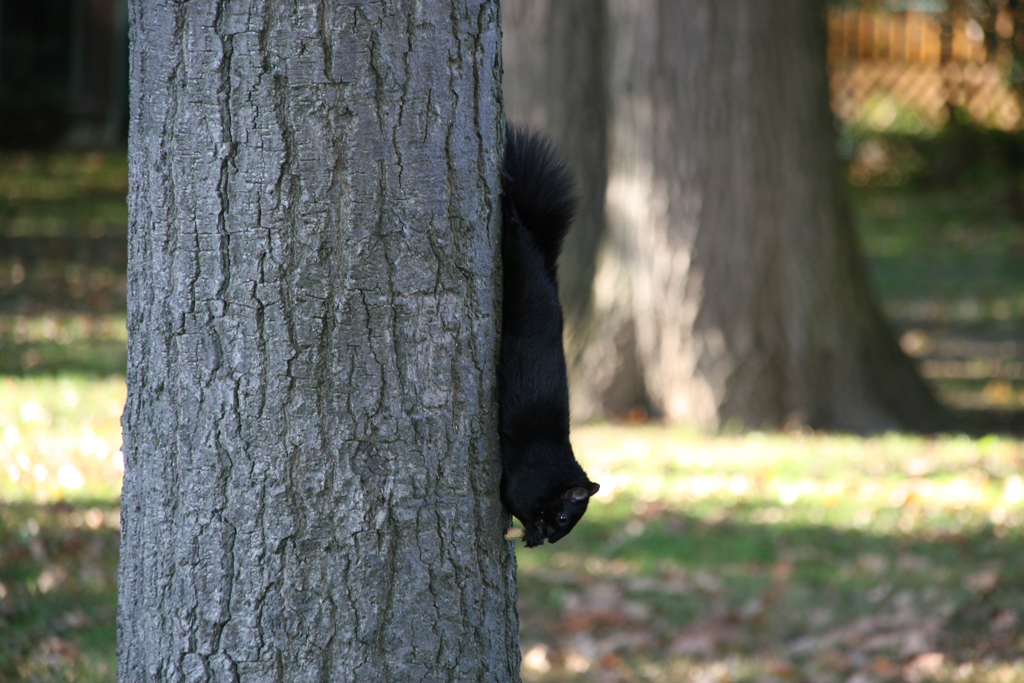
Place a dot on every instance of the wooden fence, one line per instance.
(908, 70)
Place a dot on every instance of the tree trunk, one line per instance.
(749, 296)
(311, 452)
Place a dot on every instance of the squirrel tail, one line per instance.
(540, 190)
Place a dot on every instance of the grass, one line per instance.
(60, 438)
(946, 265)
(58, 590)
(60, 480)
(767, 557)
(62, 194)
(945, 255)
(79, 344)
(63, 222)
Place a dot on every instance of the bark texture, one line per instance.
(311, 455)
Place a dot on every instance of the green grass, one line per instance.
(945, 255)
(60, 438)
(762, 557)
(63, 194)
(63, 219)
(63, 342)
(58, 590)
(946, 264)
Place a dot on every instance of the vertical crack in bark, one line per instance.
(222, 308)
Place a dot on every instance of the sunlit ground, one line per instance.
(60, 438)
(60, 479)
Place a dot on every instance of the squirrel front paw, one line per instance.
(534, 536)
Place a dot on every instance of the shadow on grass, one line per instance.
(62, 315)
(812, 597)
(95, 358)
(991, 421)
(58, 591)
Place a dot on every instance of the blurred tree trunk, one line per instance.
(311, 453)
(749, 295)
(555, 80)
(728, 267)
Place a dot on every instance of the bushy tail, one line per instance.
(539, 187)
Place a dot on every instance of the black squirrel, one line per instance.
(541, 482)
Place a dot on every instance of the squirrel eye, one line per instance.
(563, 518)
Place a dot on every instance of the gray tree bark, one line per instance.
(310, 436)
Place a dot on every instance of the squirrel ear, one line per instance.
(577, 494)
(594, 488)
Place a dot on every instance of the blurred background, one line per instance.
(774, 552)
(63, 227)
